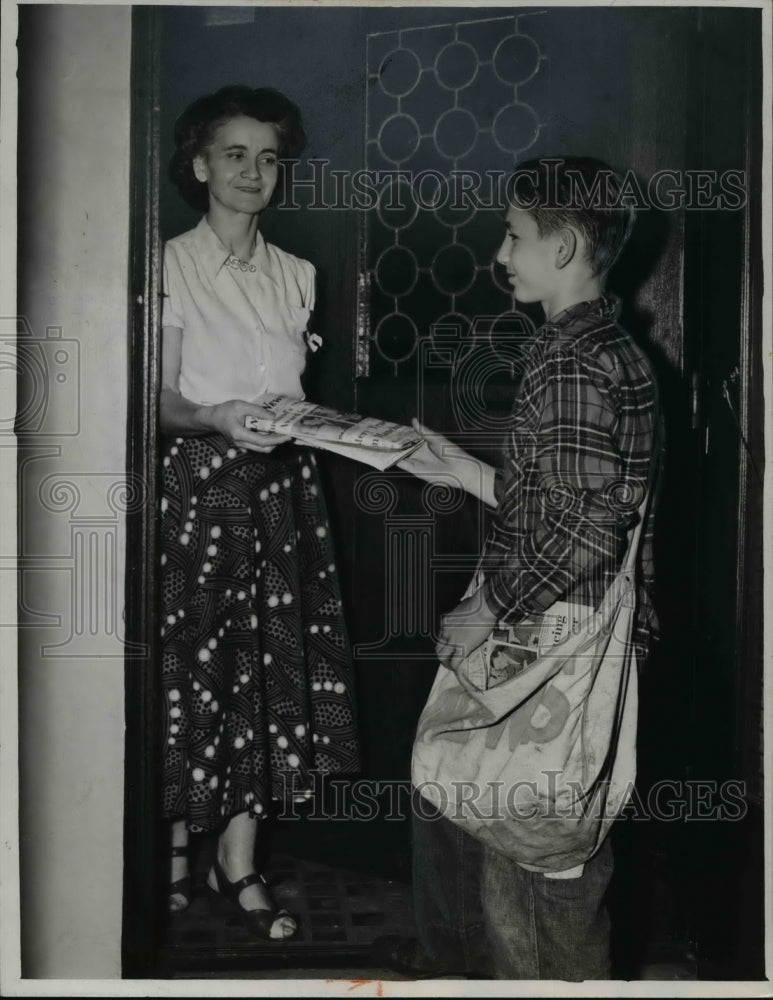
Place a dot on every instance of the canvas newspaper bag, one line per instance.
(531, 748)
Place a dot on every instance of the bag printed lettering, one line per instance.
(531, 745)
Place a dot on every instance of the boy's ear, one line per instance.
(566, 246)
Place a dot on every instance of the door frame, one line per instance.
(727, 336)
(141, 918)
(143, 845)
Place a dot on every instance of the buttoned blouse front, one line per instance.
(243, 330)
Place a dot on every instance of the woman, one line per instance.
(256, 666)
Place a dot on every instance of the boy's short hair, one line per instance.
(580, 192)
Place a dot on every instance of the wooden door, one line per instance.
(453, 102)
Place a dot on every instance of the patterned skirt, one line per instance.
(256, 669)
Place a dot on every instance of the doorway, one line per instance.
(407, 299)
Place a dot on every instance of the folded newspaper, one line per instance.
(378, 443)
(511, 649)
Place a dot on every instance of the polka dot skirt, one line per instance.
(256, 670)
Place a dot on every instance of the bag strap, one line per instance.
(633, 545)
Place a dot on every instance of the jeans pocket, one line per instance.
(564, 889)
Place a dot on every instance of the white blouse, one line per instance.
(243, 330)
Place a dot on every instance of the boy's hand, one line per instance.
(436, 460)
(464, 629)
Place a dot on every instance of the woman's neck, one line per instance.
(237, 232)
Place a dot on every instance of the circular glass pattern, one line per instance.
(399, 72)
(398, 138)
(457, 209)
(456, 65)
(515, 127)
(456, 132)
(397, 271)
(397, 205)
(510, 336)
(452, 327)
(454, 269)
(396, 337)
(516, 59)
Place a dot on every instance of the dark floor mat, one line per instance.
(341, 911)
(337, 911)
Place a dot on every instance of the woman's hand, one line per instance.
(464, 629)
(228, 419)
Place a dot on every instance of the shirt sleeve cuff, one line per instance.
(494, 600)
(498, 593)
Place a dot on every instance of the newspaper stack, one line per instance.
(511, 649)
(378, 443)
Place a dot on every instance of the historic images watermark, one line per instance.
(666, 190)
(71, 591)
(366, 800)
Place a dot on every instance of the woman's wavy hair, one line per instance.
(195, 129)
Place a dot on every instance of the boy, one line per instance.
(576, 465)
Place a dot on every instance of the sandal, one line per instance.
(182, 887)
(226, 898)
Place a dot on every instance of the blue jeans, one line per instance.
(479, 912)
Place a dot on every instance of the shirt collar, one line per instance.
(214, 253)
(584, 315)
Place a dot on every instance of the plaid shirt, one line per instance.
(577, 462)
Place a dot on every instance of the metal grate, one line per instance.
(445, 124)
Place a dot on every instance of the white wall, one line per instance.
(73, 270)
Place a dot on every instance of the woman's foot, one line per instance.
(248, 891)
